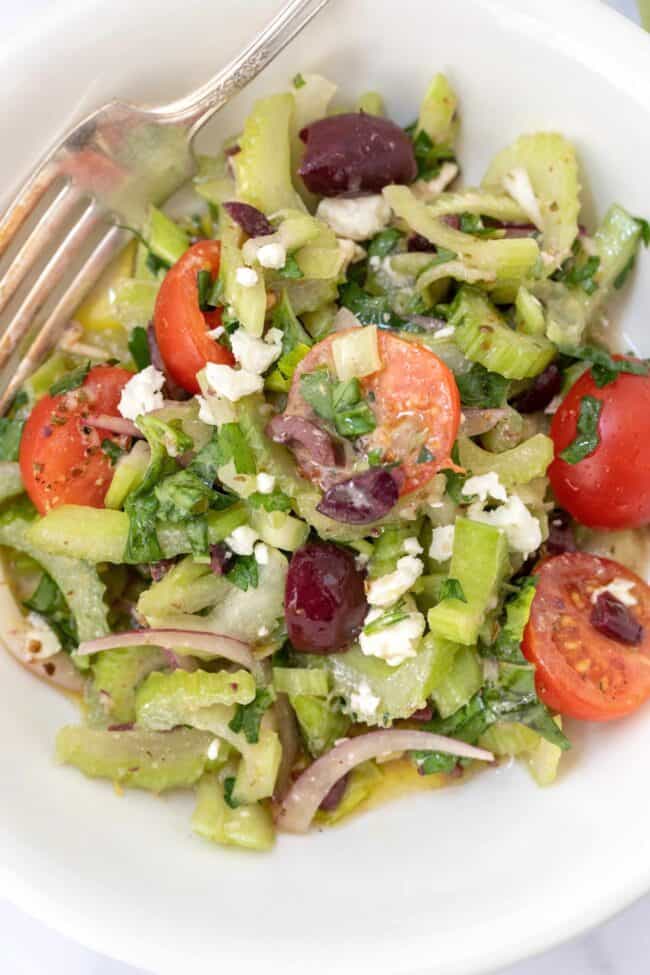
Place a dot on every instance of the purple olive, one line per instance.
(309, 442)
(416, 243)
(160, 569)
(611, 617)
(325, 600)
(355, 153)
(251, 220)
(543, 389)
(333, 798)
(220, 558)
(362, 498)
(561, 537)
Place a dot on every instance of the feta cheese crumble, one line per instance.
(215, 410)
(442, 543)
(142, 394)
(246, 277)
(41, 641)
(395, 642)
(364, 703)
(521, 528)
(242, 540)
(261, 553)
(387, 589)
(620, 589)
(215, 333)
(357, 218)
(265, 483)
(213, 750)
(412, 547)
(445, 333)
(273, 256)
(254, 355)
(485, 486)
(232, 383)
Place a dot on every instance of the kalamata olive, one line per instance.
(362, 498)
(160, 569)
(251, 220)
(355, 153)
(416, 243)
(611, 617)
(309, 442)
(325, 600)
(220, 558)
(544, 387)
(561, 537)
(333, 798)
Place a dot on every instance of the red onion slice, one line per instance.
(475, 421)
(316, 782)
(208, 644)
(290, 741)
(113, 424)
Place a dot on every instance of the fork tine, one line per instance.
(107, 248)
(25, 202)
(47, 280)
(42, 234)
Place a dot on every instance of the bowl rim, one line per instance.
(591, 33)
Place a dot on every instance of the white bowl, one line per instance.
(458, 881)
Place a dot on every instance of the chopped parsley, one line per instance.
(228, 786)
(49, 602)
(71, 380)
(604, 368)
(244, 573)
(425, 456)
(452, 589)
(482, 389)
(392, 616)
(112, 450)
(291, 269)
(139, 347)
(587, 437)
(340, 403)
(298, 81)
(249, 716)
(275, 501)
(11, 431)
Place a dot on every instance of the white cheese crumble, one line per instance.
(485, 486)
(554, 405)
(517, 184)
(142, 394)
(265, 483)
(272, 256)
(445, 333)
(246, 276)
(430, 189)
(215, 410)
(357, 218)
(216, 333)
(261, 553)
(361, 561)
(442, 543)
(412, 547)
(394, 643)
(232, 383)
(364, 703)
(521, 528)
(253, 354)
(213, 750)
(621, 589)
(387, 589)
(263, 631)
(41, 641)
(242, 540)
(274, 336)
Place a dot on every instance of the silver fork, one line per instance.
(105, 172)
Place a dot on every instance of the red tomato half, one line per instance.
(581, 672)
(414, 398)
(611, 487)
(181, 327)
(61, 459)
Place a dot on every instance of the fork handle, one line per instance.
(199, 106)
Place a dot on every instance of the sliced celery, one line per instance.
(372, 103)
(543, 761)
(301, 680)
(249, 827)
(566, 311)
(438, 110)
(356, 354)
(510, 738)
(116, 675)
(128, 475)
(617, 242)
(165, 238)
(263, 165)
(530, 313)
(307, 294)
(498, 206)
(137, 759)
(389, 547)
(166, 700)
(248, 303)
(483, 337)
(320, 725)
(519, 465)
(258, 768)
(279, 529)
(464, 679)
(319, 323)
(134, 302)
(361, 784)
(11, 482)
(551, 164)
(38, 384)
(479, 562)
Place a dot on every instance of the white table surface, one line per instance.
(619, 947)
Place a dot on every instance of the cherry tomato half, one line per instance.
(611, 487)
(415, 401)
(181, 327)
(61, 459)
(581, 672)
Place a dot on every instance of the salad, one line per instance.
(336, 483)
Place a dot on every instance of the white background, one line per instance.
(620, 947)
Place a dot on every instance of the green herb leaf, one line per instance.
(248, 716)
(587, 437)
(452, 589)
(395, 614)
(375, 457)
(338, 403)
(316, 389)
(384, 243)
(454, 486)
(49, 602)
(645, 230)
(480, 388)
(139, 347)
(507, 645)
(197, 533)
(471, 223)
(276, 501)
(605, 369)
(244, 574)
(228, 786)
(234, 446)
(299, 81)
(581, 275)
(623, 275)
(369, 309)
(181, 496)
(112, 450)
(10, 433)
(291, 269)
(71, 380)
(142, 544)
(429, 157)
(204, 288)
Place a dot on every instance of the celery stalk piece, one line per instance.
(479, 562)
(258, 768)
(188, 587)
(165, 700)
(552, 168)
(617, 242)
(11, 482)
(311, 102)
(134, 302)
(213, 181)
(233, 612)
(361, 784)
(116, 676)
(248, 303)
(389, 547)
(105, 532)
(279, 529)
(372, 103)
(249, 827)
(519, 465)
(451, 269)
(165, 238)
(484, 337)
(510, 738)
(320, 725)
(77, 580)
(301, 680)
(319, 323)
(137, 759)
(506, 434)
(356, 354)
(307, 294)
(543, 761)
(504, 262)
(482, 203)
(464, 679)
(128, 475)
(530, 313)
(437, 111)
(295, 231)
(38, 384)
(263, 165)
